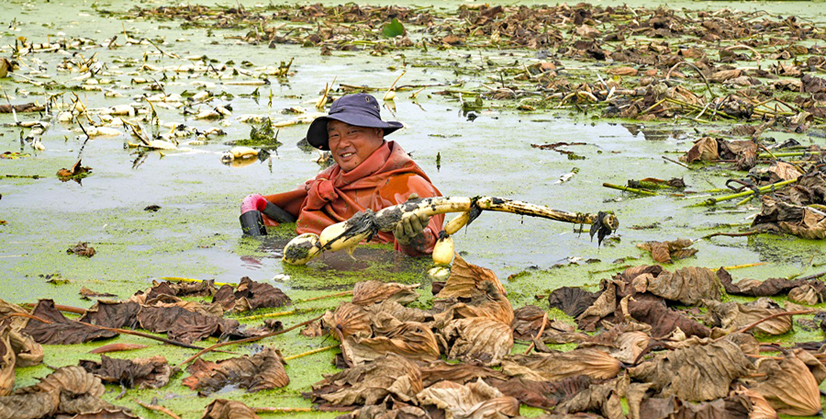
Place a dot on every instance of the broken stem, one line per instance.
(748, 233)
(283, 313)
(156, 408)
(676, 162)
(538, 334)
(324, 297)
(314, 351)
(627, 189)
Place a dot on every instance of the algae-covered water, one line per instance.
(196, 234)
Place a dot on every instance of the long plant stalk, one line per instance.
(632, 190)
(762, 189)
(247, 340)
(314, 351)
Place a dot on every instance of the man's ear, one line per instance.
(379, 132)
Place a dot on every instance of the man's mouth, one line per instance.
(346, 155)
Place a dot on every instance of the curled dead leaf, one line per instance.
(695, 373)
(228, 409)
(139, 373)
(368, 292)
(368, 383)
(348, 321)
(7, 360)
(474, 400)
(262, 371)
(485, 339)
(412, 340)
(559, 365)
(733, 316)
(789, 386)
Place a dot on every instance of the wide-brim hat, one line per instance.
(360, 109)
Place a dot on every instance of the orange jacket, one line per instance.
(384, 179)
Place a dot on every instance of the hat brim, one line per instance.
(317, 133)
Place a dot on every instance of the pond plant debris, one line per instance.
(648, 343)
(650, 348)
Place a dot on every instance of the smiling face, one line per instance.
(352, 145)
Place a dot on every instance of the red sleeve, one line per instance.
(420, 186)
(288, 201)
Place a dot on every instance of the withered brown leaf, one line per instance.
(476, 399)
(250, 295)
(262, 371)
(228, 409)
(7, 360)
(412, 340)
(370, 382)
(366, 293)
(695, 373)
(485, 339)
(789, 386)
(559, 365)
(61, 331)
(139, 373)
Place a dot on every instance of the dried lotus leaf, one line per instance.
(228, 409)
(412, 340)
(485, 339)
(490, 303)
(687, 285)
(27, 351)
(789, 386)
(7, 361)
(473, 400)
(369, 292)
(349, 320)
(262, 371)
(461, 373)
(695, 373)
(466, 280)
(704, 149)
(140, 373)
(371, 382)
(599, 397)
(816, 367)
(399, 312)
(805, 294)
(734, 316)
(558, 365)
(15, 322)
(760, 407)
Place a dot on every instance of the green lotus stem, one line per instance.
(762, 189)
(627, 189)
(788, 154)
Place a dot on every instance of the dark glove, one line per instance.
(410, 230)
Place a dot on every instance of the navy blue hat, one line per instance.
(360, 109)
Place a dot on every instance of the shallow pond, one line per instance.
(196, 233)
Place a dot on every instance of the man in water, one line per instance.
(369, 172)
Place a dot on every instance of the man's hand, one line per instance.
(410, 230)
(253, 202)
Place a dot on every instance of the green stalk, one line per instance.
(627, 189)
(762, 189)
(789, 154)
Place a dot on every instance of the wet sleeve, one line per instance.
(419, 185)
(288, 201)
